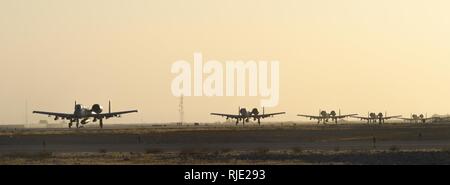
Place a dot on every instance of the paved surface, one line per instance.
(139, 139)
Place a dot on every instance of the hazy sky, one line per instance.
(357, 55)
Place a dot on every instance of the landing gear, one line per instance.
(259, 121)
(70, 125)
(78, 123)
(101, 123)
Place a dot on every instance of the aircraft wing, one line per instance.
(233, 116)
(418, 119)
(360, 117)
(56, 114)
(309, 116)
(344, 116)
(270, 115)
(390, 117)
(113, 114)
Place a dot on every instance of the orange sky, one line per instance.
(355, 55)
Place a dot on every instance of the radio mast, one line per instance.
(181, 111)
(26, 112)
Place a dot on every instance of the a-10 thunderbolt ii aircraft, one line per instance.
(417, 118)
(82, 114)
(245, 116)
(373, 117)
(325, 117)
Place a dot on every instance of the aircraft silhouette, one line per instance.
(82, 114)
(325, 117)
(373, 117)
(245, 116)
(417, 118)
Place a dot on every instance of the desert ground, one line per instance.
(229, 144)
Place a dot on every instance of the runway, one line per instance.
(272, 137)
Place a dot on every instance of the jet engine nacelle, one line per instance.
(243, 112)
(97, 108)
(255, 112)
(333, 113)
(380, 115)
(373, 115)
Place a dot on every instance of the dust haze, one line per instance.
(357, 56)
